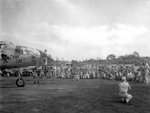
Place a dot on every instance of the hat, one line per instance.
(123, 78)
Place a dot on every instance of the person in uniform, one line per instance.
(35, 76)
(45, 59)
(42, 74)
(123, 90)
(146, 74)
(76, 77)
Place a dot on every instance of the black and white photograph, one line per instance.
(74, 56)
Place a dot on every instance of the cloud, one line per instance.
(99, 12)
(77, 29)
(96, 41)
(101, 35)
(81, 42)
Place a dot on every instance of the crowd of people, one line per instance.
(110, 72)
(140, 73)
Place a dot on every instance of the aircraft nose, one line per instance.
(40, 53)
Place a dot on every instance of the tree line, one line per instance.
(133, 58)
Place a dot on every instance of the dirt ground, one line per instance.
(68, 96)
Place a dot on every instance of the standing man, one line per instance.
(123, 90)
(45, 58)
(35, 76)
(146, 74)
(45, 62)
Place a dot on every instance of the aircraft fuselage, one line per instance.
(15, 56)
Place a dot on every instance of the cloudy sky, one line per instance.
(78, 29)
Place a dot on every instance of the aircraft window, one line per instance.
(19, 51)
(24, 51)
(29, 51)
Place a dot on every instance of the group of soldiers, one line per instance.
(110, 72)
(93, 71)
(122, 73)
(132, 73)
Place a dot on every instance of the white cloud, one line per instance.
(77, 29)
(124, 34)
(98, 41)
(81, 42)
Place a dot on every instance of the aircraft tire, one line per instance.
(20, 82)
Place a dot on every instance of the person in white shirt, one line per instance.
(45, 61)
(35, 76)
(146, 75)
(76, 77)
(123, 90)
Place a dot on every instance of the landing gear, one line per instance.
(20, 82)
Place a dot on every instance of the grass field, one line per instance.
(68, 96)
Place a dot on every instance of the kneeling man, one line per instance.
(123, 90)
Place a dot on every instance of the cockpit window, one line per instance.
(20, 50)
